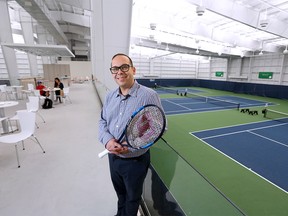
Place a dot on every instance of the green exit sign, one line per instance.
(219, 73)
(265, 75)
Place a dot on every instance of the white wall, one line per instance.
(79, 69)
(238, 69)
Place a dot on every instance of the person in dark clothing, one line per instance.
(58, 93)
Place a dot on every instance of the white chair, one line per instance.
(30, 90)
(65, 96)
(6, 92)
(27, 129)
(37, 94)
(3, 119)
(31, 106)
(16, 118)
(11, 92)
(35, 106)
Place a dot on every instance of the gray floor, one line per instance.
(68, 179)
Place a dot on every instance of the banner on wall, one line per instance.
(265, 75)
(219, 73)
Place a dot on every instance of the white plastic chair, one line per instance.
(65, 97)
(3, 119)
(6, 91)
(27, 125)
(35, 106)
(37, 94)
(11, 92)
(31, 106)
(16, 118)
(30, 90)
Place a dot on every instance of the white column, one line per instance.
(282, 70)
(110, 34)
(26, 24)
(6, 37)
(41, 34)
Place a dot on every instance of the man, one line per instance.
(128, 167)
(41, 88)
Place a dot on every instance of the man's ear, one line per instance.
(134, 70)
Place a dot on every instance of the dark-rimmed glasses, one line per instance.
(123, 68)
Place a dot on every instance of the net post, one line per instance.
(238, 106)
(264, 111)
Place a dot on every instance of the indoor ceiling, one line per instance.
(210, 28)
(59, 22)
(163, 27)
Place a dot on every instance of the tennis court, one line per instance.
(195, 101)
(261, 147)
(243, 157)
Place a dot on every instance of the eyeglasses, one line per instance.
(123, 68)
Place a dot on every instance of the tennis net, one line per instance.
(166, 89)
(275, 115)
(215, 101)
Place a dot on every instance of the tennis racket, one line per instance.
(143, 129)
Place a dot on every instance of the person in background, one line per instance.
(128, 167)
(58, 84)
(41, 88)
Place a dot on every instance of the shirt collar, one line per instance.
(132, 91)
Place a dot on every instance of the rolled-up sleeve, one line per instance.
(104, 135)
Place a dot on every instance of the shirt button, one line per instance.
(120, 113)
(117, 126)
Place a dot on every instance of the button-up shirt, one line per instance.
(117, 110)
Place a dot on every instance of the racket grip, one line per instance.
(103, 153)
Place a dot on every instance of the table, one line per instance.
(3, 105)
(51, 91)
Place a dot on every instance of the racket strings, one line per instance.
(145, 127)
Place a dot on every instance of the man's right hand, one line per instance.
(115, 148)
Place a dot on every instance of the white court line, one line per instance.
(177, 104)
(240, 164)
(241, 131)
(268, 139)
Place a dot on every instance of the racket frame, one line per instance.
(103, 153)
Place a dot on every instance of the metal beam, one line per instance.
(38, 10)
(239, 13)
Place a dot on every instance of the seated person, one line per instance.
(41, 88)
(58, 84)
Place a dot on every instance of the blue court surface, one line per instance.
(261, 147)
(184, 104)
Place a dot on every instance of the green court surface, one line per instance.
(206, 182)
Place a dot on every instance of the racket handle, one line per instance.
(103, 153)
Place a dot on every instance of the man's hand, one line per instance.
(115, 148)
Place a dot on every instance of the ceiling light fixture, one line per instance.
(264, 22)
(153, 26)
(285, 51)
(261, 53)
(200, 10)
(167, 48)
